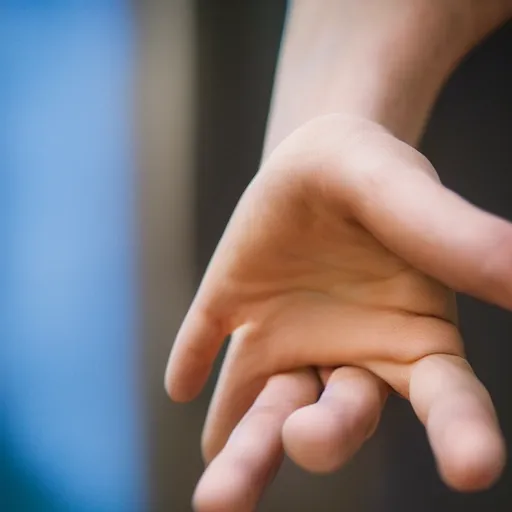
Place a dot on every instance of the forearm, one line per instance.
(382, 60)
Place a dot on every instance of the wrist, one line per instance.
(386, 64)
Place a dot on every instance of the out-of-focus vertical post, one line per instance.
(166, 84)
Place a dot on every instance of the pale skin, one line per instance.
(336, 272)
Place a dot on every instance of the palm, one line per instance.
(303, 277)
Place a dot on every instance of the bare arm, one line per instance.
(383, 61)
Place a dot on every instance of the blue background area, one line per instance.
(71, 433)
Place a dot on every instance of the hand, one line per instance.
(335, 257)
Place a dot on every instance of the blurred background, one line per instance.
(129, 131)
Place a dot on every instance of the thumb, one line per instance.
(435, 230)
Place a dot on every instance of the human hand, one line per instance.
(335, 257)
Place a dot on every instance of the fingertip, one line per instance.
(472, 458)
(215, 495)
(311, 438)
(170, 385)
(180, 389)
(197, 344)
(177, 395)
(206, 499)
(211, 498)
(231, 491)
